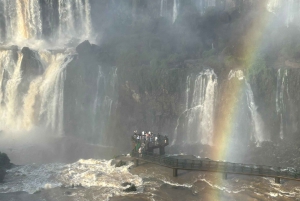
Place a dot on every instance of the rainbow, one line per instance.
(248, 49)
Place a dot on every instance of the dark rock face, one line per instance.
(79, 92)
(2, 174)
(4, 161)
(84, 48)
(4, 164)
(30, 65)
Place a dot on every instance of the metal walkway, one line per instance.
(204, 164)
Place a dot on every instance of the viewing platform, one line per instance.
(182, 162)
(144, 146)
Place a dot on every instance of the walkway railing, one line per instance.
(179, 162)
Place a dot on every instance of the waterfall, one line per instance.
(103, 104)
(96, 101)
(202, 5)
(197, 121)
(42, 104)
(51, 92)
(23, 20)
(9, 88)
(247, 112)
(288, 9)
(282, 90)
(259, 134)
(74, 18)
(175, 10)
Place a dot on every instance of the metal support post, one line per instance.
(175, 172)
(225, 176)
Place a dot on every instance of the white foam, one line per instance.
(99, 174)
(177, 184)
(31, 178)
(224, 189)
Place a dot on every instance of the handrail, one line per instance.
(218, 166)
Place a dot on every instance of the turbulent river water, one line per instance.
(36, 113)
(99, 180)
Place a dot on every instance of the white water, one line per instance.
(99, 174)
(23, 22)
(175, 10)
(47, 88)
(37, 24)
(247, 106)
(74, 18)
(281, 93)
(289, 9)
(260, 134)
(9, 93)
(52, 92)
(197, 121)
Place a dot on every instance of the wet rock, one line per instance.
(4, 164)
(5, 161)
(31, 65)
(84, 48)
(120, 163)
(68, 193)
(2, 174)
(131, 187)
(126, 184)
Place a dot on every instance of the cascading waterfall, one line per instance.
(74, 16)
(289, 9)
(23, 20)
(103, 104)
(259, 135)
(10, 80)
(282, 90)
(247, 106)
(202, 5)
(42, 104)
(96, 101)
(197, 121)
(175, 10)
(51, 90)
(32, 86)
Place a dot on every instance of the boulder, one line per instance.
(131, 187)
(4, 161)
(120, 163)
(4, 164)
(84, 48)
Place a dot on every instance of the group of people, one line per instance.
(144, 140)
(149, 137)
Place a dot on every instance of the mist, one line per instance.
(98, 70)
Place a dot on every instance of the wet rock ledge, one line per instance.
(4, 165)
